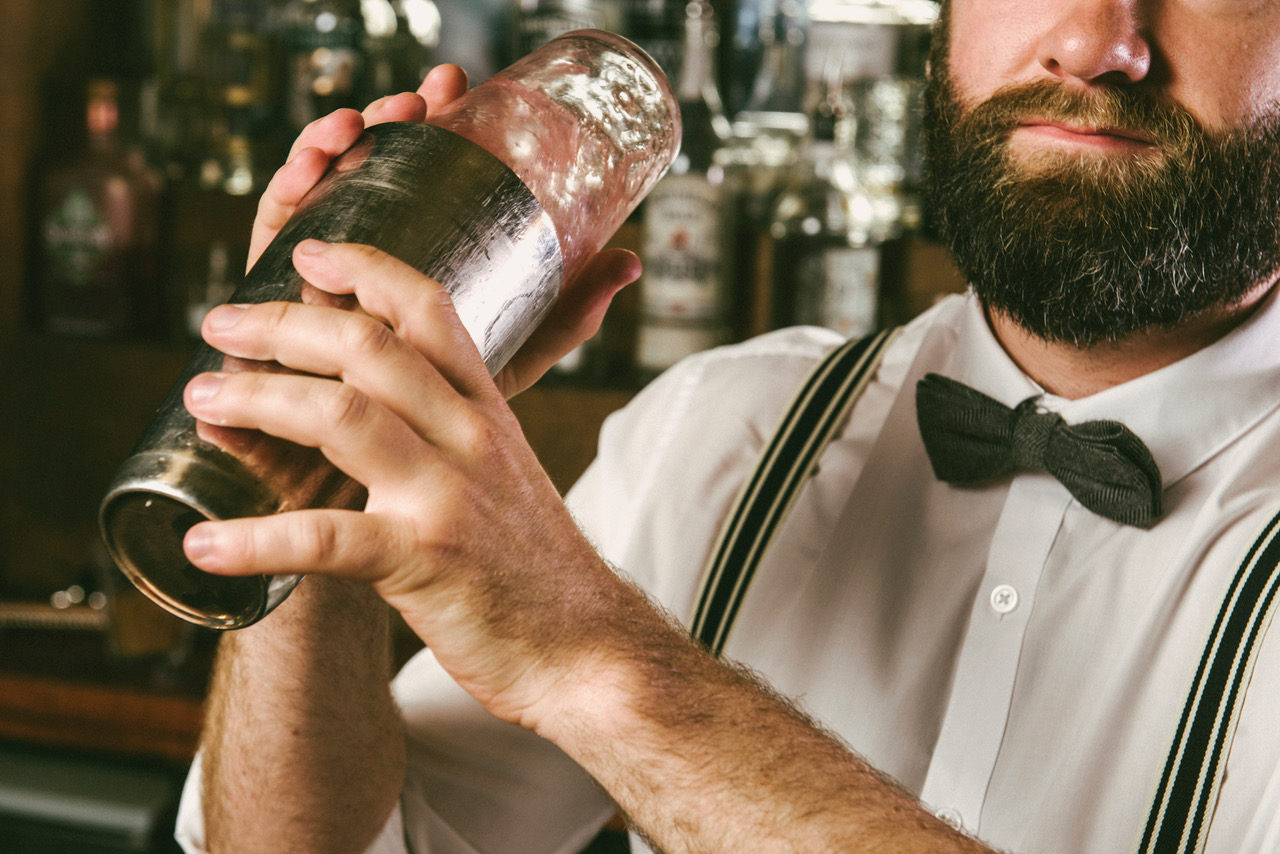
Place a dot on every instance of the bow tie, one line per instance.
(971, 437)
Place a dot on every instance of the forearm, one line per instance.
(702, 757)
(303, 746)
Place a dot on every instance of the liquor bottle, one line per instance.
(657, 26)
(880, 139)
(322, 43)
(779, 86)
(536, 22)
(234, 156)
(768, 132)
(772, 124)
(238, 74)
(828, 251)
(179, 125)
(399, 40)
(213, 287)
(98, 233)
(882, 48)
(683, 295)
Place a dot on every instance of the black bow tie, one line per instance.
(971, 437)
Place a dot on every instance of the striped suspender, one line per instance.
(814, 418)
(1189, 786)
(1192, 775)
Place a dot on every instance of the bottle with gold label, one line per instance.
(683, 294)
(98, 260)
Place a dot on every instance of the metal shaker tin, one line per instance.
(433, 199)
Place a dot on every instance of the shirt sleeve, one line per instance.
(189, 831)
(478, 784)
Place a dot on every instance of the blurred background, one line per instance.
(138, 135)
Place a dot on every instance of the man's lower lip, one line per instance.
(1097, 141)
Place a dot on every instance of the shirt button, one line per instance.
(952, 817)
(1004, 598)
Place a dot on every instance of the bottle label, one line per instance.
(839, 289)
(863, 49)
(77, 237)
(682, 250)
(681, 294)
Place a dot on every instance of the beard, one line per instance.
(1083, 249)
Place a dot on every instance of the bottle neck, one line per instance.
(102, 112)
(779, 86)
(697, 66)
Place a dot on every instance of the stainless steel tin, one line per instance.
(425, 195)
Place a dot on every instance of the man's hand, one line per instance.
(574, 318)
(462, 531)
(327, 137)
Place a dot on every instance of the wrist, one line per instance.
(324, 620)
(600, 662)
(634, 660)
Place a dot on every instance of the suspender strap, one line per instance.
(817, 414)
(1192, 775)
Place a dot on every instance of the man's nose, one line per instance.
(1097, 42)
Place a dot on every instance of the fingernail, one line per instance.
(204, 387)
(197, 543)
(311, 246)
(225, 316)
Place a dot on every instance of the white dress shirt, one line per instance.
(1017, 661)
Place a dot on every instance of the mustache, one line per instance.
(1170, 127)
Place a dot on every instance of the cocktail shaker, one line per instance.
(500, 198)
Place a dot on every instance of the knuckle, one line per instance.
(252, 387)
(314, 126)
(267, 202)
(423, 308)
(313, 538)
(438, 298)
(416, 318)
(477, 434)
(487, 443)
(343, 407)
(366, 337)
(269, 320)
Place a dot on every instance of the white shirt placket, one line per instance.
(974, 724)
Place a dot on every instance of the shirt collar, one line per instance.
(1185, 412)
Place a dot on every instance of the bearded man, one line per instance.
(1016, 596)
